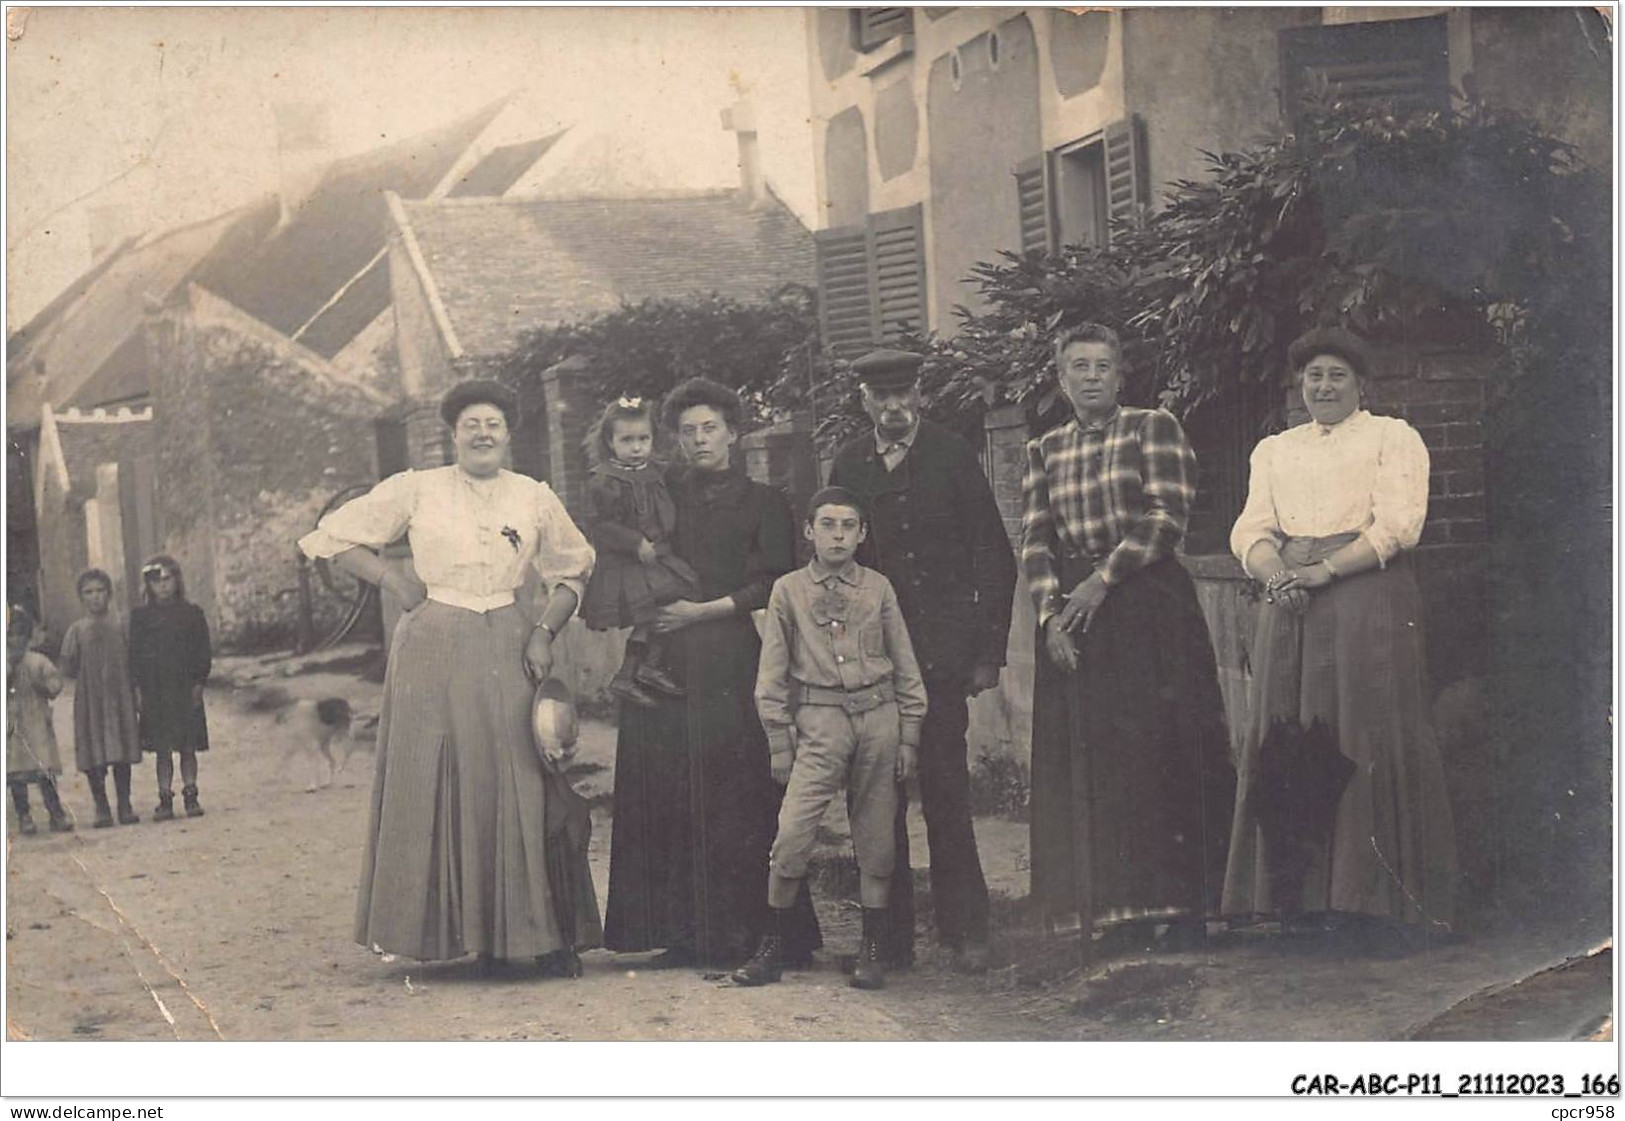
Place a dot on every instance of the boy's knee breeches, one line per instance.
(836, 749)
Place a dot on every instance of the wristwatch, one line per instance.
(542, 625)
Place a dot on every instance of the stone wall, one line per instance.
(255, 435)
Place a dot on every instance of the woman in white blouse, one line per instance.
(467, 850)
(1332, 506)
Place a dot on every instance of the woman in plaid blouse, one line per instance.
(1131, 783)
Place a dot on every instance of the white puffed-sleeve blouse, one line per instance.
(471, 538)
(1366, 474)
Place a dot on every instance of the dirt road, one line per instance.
(237, 925)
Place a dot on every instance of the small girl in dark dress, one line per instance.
(170, 657)
(631, 519)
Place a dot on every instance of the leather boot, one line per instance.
(625, 682)
(189, 795)
(869, 972)
(651, 673)
(121, 782)
(97, 777)
(166, 806)
(19, 802)
(765, 966)
(60, 822)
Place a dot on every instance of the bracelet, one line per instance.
(542, 625)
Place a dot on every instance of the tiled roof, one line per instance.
(324, 271)
(500, 168)
(288, 278)
(503, 266)
(84, 339)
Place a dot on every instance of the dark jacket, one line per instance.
(936, 532)
(625, 508)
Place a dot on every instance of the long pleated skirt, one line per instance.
(1355, 660)
(472, 844)
(1131, 780)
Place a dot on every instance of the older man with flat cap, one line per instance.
(936, 533)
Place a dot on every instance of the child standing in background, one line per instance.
(170, 655)
(104, 725)
(630, 522)
(31, 753)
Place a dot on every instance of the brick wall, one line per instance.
(567, 396)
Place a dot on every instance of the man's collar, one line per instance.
(821, 574)
(884, 445)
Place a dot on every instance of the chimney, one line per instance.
(740, 119)
(304, 149)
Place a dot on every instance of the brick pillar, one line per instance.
(1440, 390)
(783, 455)
(428, 443)
(1004, 459)
(569, 401)
(1001, 720)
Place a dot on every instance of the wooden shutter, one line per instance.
(1128, 185)
(1033, 205)
(871, 281)
(899, 271)
(1402, 63)
(873, 26)
(846, 316)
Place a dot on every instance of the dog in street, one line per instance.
(318, 728)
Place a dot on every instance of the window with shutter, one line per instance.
(871, 281)
(1401, 63)
(871, 27)
(845, 309)
(1128, 185)
(1032, 205)
(899, 271)
(1072, 197)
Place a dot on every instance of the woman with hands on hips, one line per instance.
(1130, 785)
(465, 853)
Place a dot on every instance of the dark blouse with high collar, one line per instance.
(695, 801)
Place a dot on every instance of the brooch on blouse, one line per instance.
(512, 535)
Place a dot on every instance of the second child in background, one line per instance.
(840, 695)
(170, 656)
(31, 753)
(631, 519)
(105, 735)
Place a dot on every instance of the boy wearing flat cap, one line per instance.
(936, 533)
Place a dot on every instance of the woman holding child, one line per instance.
(474, 844)
(695, 801)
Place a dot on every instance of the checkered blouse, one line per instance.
(1118, 492)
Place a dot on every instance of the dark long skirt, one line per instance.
(1131, 780)
(695, 810)
(1355, 660)
(473, 845)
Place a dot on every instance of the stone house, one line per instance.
(258, 348)
(944, 135)
(471, 275)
